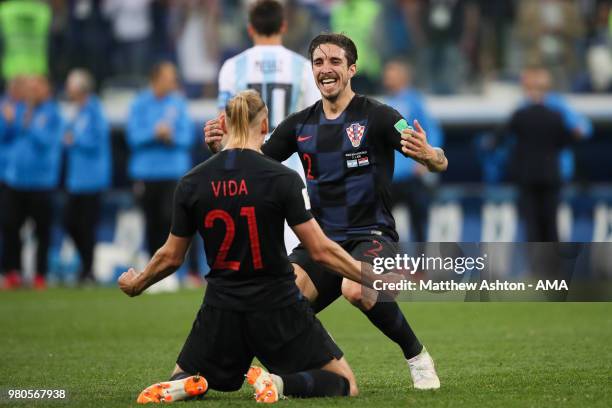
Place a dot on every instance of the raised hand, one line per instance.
(415, 145)
(213, 134)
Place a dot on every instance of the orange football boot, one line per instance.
(265, 389)
(171, 391)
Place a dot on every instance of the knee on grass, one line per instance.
(342, 368)
(353, 389)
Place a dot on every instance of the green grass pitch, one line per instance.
(104, 348)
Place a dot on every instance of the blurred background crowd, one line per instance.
(456, 46)
(86, 182)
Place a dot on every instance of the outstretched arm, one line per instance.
(164, 263)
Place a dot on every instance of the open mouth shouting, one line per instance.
(328, 83)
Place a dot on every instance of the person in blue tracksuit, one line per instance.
(160, 136)
(88, 167)
(409, 186)
(10, 103)
(32, 173)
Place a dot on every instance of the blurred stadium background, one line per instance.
(466, 58)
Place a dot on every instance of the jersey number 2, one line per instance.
(230, 232)
(308, 159)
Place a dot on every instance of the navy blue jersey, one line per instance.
(348, 164)
(238, 201)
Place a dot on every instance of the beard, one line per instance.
(333, 97)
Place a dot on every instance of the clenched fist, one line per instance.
(127, 282)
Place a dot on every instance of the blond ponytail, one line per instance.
(240, 111)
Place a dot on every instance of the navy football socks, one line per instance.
(315, 383)
(389, 319)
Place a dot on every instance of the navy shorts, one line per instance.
(222, 343)
(328, 283)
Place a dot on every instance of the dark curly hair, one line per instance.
(339, 39)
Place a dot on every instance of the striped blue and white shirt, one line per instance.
(285, 82)
(282, 77)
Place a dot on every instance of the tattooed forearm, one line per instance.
(439, 162)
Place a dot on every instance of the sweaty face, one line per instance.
(331, 71)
